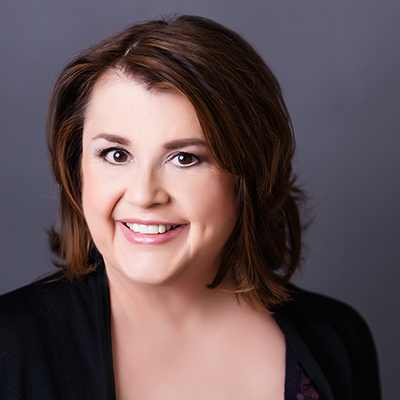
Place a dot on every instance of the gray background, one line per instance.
(339, 65)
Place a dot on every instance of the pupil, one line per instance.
(185, 159)
(119, 157)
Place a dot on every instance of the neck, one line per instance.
(175, 302)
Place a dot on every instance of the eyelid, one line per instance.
(173, 156)
(104, 152)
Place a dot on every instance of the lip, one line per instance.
(145, 238)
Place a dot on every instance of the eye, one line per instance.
(115, 156)
(184, 160)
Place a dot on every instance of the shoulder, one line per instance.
(339, 340)
(313, 309)
(52, 339)
(38, 300)
(52, 302)
(29, 302)
(31, 314)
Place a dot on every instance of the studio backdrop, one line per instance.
(339, 66)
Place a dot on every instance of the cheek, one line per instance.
(97, 199)
(89, 189)
(213, 201)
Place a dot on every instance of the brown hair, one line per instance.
(246, 126)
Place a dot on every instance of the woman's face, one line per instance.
(156, 204)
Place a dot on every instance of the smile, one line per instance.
(150, 229)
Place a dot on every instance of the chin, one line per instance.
(145, 274)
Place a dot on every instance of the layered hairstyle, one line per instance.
(246, 126)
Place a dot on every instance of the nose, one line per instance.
(147, 189)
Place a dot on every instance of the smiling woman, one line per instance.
(244, 125)
(153, 174)
(179, 232)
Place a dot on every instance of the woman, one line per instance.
(179, 232)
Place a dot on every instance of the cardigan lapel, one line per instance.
(303, 354)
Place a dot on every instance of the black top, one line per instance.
(55, 343)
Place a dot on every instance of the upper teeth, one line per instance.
(151, 229)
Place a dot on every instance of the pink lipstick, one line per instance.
(151, 232)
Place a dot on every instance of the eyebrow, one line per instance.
(178, 144)
(113, 139)
(172, 145)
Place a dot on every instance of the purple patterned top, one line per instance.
(298, 385)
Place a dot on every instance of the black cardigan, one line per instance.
(55, 342)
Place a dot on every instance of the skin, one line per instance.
(144, 161)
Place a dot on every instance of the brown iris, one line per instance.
(119, 156)
(185, 159)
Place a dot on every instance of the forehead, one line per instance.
(121, 102)
(115, 82)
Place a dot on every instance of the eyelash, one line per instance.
(104, 153)
(197, 160)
